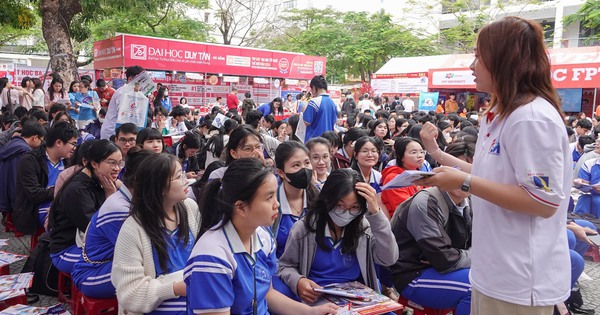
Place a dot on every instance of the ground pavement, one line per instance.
(590, 288)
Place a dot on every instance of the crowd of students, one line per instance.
(247, 219)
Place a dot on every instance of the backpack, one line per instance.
(45, 277)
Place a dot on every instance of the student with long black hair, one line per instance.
(230, 268)
(155, 242)
(215, 145)
(187, 151)
(341, 239)
(79, 198)
(92, 272)
(244, 142)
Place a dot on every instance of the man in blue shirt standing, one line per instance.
(321, 113)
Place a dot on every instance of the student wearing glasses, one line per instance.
(79, 198)
(341, 239)
(244, 142)
(37, 173)
(155, 242)
(126, 136)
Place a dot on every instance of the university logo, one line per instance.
(542, 182)
(139, 52)
(495, 147)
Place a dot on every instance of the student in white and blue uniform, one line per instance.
(156, 240)
(320, 158)
(365, 157)
(320, 114)
(231, 265)
(92, 272)
(341, 239)
(53, 171)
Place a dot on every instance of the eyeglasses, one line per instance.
(353, 210)
(317, 158)
(181, 178)
(250, 148)
(417, 152)
(115, 164)
(74, 144)
(130, 140)
(366, 152)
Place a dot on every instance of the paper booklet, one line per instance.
(405, 179)
(9, 258)
(355, 298)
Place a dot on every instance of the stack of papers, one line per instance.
(354, 298)
(57, 309)
(405, 179)
(587, 187)
(9, 258)
(14, 285)
(3, 242)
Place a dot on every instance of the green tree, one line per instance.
(355, 43)
(69, 26)
(589, 17)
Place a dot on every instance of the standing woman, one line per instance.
(320, 158)
(247, 105)
(56, 93)
(38, 94)
(155, 242)
(79, 198)
(74, 105)
(26, 99)
(343, 237)
(519, 181)
(230, 269)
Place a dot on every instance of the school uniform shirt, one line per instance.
(265, 109)
(516, 257)
(374, 180)
(286, 219)
(53, 171)
(101, 236)
(178, 253)
(221, 276)
(590, 171)
(331, 265)
(321, 114)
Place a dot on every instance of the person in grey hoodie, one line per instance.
(341, 239)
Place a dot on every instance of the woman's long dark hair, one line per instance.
(340, 183)
(190, 140)
(56, 79)
(357, 146)
(239, 183)
(147, 203)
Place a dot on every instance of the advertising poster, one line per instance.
(428, 101)
(570, 99)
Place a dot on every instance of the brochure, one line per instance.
(405, 179)
(21, 309)
(17, 281)
(9, 258)
(368, 302)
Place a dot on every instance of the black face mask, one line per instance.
(300, 179)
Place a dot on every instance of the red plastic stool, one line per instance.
(34, 238)
(65, 293)
(86, 305)
(593, 253)
(5, 270)
(422, 310)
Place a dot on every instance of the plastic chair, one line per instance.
(593, 252)
(34, 238)
(86, 305)
(65, 293)
(422, 310)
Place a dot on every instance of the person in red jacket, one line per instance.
(232, 101)
(410, 155)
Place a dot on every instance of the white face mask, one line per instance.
(101, 120)
(341, 217)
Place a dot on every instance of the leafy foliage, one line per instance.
(355, 43)
(589, 16)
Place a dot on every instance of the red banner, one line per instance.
(169, 55)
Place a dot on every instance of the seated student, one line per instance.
(320, 158)
(186, 152)
(244, 142)
(125, 137)
(160, 122)
(343, 156)
(175, 124)
(433, 234)
(155, 242)
(215, 145)
(29, 138)
(230, 268)
(37, 173)
(91, 273)
(578, 147)
(78, 200)
(589, 175)
(150, 139)
(409, 156)
(342, 237)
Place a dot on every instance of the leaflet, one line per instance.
(406, 178)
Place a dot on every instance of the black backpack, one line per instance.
(45, 278)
